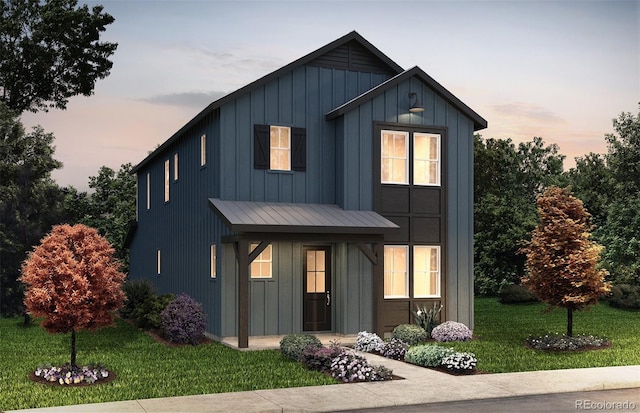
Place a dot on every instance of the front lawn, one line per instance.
(144, 368)
(503, 328)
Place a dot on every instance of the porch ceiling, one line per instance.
(263, 217)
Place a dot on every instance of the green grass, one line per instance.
(144, 368)
(503, 328)
(147, 369)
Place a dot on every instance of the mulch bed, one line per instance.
(109, 378)
(157, 336)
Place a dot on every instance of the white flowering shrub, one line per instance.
(368, 342)
(451, 331)
(460, 362)
(68, 374)
(349, 366)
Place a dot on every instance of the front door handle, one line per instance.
(328, 298)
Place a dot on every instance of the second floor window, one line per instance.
(203, 150)
(395, 151)
(280, 148)
(166, 181)
(410, 158)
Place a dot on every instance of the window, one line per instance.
(395, 150)
(203, 150)
(316, 271)
(158, 262)
(148, 191)
(166, 181)
(175, 167)
(213, 261)
(280, 148)
(426, 271)
(396, 263)
(261, 266)
(426, 159)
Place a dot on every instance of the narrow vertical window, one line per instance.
(175, 167)
(426, 271)
(280, 148)
(261, 266)
(158, 262)
(203, 150)
(396, 264)
(166, 181)
(426, 159)
(395, 149)
(213, 262)
(148, 191)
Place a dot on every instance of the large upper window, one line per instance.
(175, 166)
(426, 271)
(396, 266)
(261, 266)
(403, 151)
(426, 159)
(280, 148)
(395, 150)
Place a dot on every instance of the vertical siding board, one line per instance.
(352, 165)
(353, 302)
(365, 150)
(258, 109)
(453, 207)
(285, 99)
(272, 105)
(244, 141)
(314, 178)
(229, 148)
(391, 105)
(283, 302)
(299, 108)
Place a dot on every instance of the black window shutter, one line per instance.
(298, 149)
(261, 146)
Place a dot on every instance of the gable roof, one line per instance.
(351, 51)
(478, 121)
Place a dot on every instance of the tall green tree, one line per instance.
(591, 182)
(50, 51)
(112, 206)
(507, 180)
(30, 201)
(561, 258)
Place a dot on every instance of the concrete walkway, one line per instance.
(420, 386)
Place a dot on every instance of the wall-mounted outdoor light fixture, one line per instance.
(414, 103)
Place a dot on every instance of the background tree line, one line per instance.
(509, 178)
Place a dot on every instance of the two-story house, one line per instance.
(332, 195)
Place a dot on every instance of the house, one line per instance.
(332, 195)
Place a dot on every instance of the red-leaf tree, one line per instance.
(562, 261)
(73, 281)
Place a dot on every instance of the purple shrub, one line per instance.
(394, 349)
(183, 320)
(319, 359)
(451, 331)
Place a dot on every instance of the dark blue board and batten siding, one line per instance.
(183, 228)
(355, 139)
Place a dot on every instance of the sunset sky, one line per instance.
(561, 70)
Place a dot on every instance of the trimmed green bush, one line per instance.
(410, 334)
(137, 292)
(428, 355)
(515, 293)
(292, 346)
(147, 315)
(625, 296)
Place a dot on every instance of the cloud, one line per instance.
(197, 100)
(527, 112)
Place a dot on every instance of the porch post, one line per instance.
(243, 293)
(378, 288)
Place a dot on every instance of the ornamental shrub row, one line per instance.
(142, 305)
(342, 364)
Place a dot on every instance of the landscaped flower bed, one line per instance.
(68, 375)
(562, 342)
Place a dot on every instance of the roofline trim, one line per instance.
(478, 121)
(353, 35)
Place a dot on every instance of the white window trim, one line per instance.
(278, 148)
(260, 259)
(438, 272)
(438, 160)
(406, 277)
(167, 180)
(203, 149)
(406, 159)
(213, 262)
(158, 256)
(175, 167)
